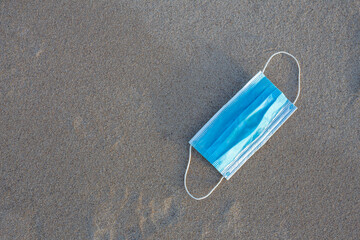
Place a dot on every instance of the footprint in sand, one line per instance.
(133, 217)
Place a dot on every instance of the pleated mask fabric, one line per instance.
(243, 125)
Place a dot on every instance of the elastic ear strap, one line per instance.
(298, 94)
(187, 169)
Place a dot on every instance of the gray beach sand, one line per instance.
(98, 100)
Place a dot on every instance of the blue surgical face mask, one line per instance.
(243, 125)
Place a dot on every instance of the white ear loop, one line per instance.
(187, 169)
(299, 86)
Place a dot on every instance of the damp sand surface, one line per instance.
(98, 100)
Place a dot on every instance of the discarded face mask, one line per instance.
(243, 125)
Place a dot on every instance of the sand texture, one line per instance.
(98, 100)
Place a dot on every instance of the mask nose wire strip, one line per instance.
(187, 169)
(286, 53)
